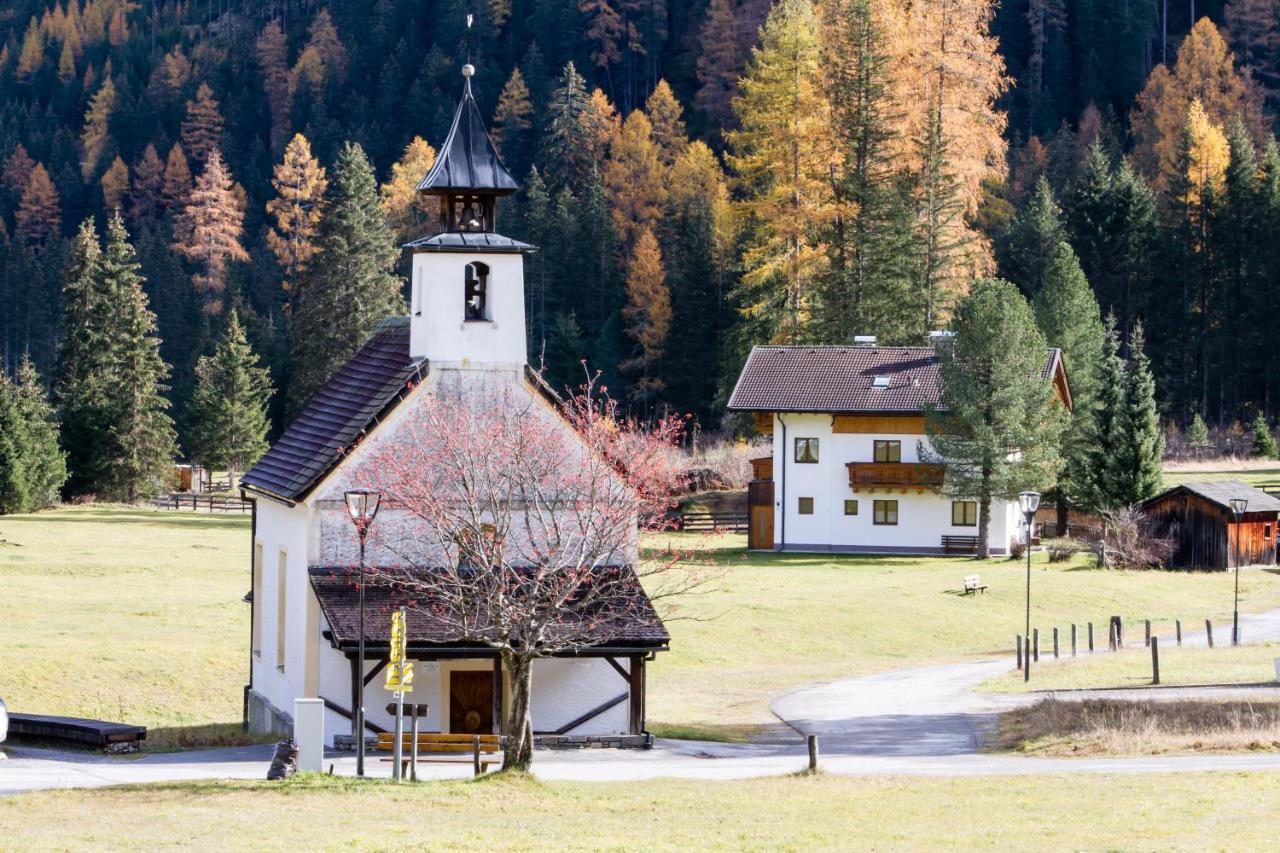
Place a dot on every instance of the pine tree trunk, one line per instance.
(518, 752)
(1064, 517)
(984, 528)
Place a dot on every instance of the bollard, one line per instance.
(1055, 643)
(1017, 649)
(1208, 632)
(1177, 627)
(413, 746)
(1090, 638)
(813, 753)
(1026, 659)
(1035, 644)
(1146, 631)
(1073, 639)
(1155, 660)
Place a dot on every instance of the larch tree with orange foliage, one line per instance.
(300, 185)
(635, 181)
(399, 195)
(667, 119)
(115, 184)
(207, 232)
(177, 177)
(647, 314)
(202, 128)
(272, 51)
(39, 215)
(93, 138)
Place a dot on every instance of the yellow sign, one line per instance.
(399, 669)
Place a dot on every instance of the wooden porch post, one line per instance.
(636, 690)
(497, 694)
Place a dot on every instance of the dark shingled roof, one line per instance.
(468, 241)
(1220, 493)
(468, 160)
(630, 622)
(370, 382)
(841, 379)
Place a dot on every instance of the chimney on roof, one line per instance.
(864, 340)
(941, 340)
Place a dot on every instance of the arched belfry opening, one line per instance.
(476, 292)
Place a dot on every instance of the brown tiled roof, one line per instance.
(626, 620)
(843, 379)
(372, 381)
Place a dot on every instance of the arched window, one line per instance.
(477, 291)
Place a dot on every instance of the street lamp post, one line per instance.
(1030, 502)
(362, 506)
(1238, 506)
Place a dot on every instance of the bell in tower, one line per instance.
(468, 280)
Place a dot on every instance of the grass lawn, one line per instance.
(795, 813)
(1120, 727)
(137, 615)
(1248, 470)
(127, 614)
(1132, 668)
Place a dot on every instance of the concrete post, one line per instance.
(308, 733)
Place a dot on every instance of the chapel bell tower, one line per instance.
(467, 303)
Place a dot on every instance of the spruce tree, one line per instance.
(350, 287)
(1068, 315)
(229, 406)
(141, 430)
(1110, 420)
(994, 398)
(15, 489)
(46, 464)
(1198, 432)
(1135, 468)
(1264, 443)
(1033, 236)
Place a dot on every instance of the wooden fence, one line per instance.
(703, 522)
(200, 503)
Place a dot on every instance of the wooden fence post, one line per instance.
(1035, 644)
(1090, 638)
(1147, 631)
(1026, 659)
(1017, 649)
(1208, 632)
(1177, 627)
(813, 753)
(475, 755)
(1055, 643)
(1073, 639)
(1155, 660)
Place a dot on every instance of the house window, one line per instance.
(806, 450)
(850, 507)
(806, 506)
(886, 512)
(477, 291)
(964, 513)
(1266, 532)
(257, 599)
(282, 563)
(888, 451)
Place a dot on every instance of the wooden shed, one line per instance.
(1198, 518)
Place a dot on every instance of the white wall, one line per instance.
(281, 527)
(923, 518)
(438, 329)
(566, 688)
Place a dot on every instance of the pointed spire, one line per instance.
(467, 159)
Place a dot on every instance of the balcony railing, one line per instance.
(906, 475)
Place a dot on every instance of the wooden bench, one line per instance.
(111, 736)
(960, 544)
(972, 584)
(445, 749)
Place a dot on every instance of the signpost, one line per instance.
(399, 682)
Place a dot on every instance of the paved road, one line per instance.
(923, 721)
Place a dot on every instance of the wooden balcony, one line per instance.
(918, 476)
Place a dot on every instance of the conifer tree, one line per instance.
(142, 436)
(115, 184)
(512, 128)
(229, 405)
(272, 53)
(1109, 415)
(83, 380)
(351, 287)
(1264, 443)
(66, 63)
(1198, 432)
(1068, 316)
(300, 185)
(1134, 471)
(93, 139)
(667, 120)
(401, 202)
(635, 180)
(31, 56)
(780, 155)
(867, 288)
(202, 127)
(719, 64)
(563, 159)
(148, 186)
(647, 314)
(207, 232)
(45, 464)
(177, 178)
(38, 219)
(1033, 238)
(15, 488)
(994, 398)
